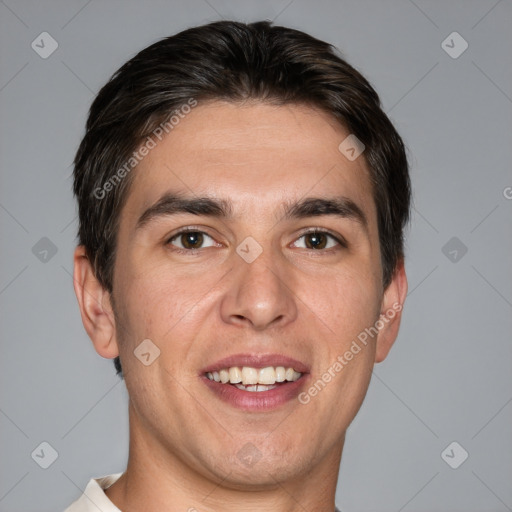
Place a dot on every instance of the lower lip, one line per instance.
(256, 400)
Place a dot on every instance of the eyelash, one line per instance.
(321, 231)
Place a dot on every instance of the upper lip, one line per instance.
(257, 361)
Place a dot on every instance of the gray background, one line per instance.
(448, 377)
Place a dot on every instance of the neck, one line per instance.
(156, 479)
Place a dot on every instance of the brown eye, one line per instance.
(191, 240)
(317, 240)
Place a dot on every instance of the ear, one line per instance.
(391, 312)
(95, 306)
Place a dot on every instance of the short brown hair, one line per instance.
(230, 61)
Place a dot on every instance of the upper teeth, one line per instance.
(248, 375)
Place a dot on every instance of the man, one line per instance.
(242, 199)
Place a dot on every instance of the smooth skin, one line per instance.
(305, 296)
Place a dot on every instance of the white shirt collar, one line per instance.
(93, 498)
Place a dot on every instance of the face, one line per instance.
(260, 264)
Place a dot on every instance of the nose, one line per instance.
(260, 293)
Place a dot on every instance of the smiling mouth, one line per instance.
(255, 379)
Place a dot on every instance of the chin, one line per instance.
(265, 469)
(265, 477)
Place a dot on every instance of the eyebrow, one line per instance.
(173, 204)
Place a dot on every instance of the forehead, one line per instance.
(256, 155)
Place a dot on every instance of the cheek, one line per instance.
(163, 305)
(346, 306)
(345, 302)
